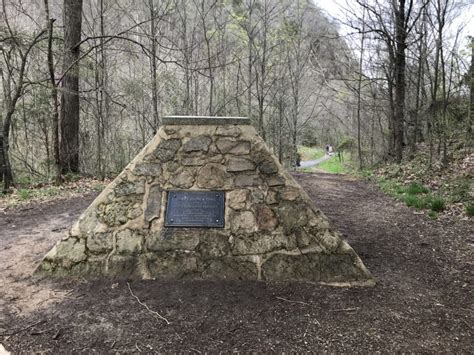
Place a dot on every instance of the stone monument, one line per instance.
(205, 199)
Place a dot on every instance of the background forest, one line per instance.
(397, 81)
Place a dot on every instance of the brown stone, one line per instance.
(228, 131)
(211, 176)
(272, 197)
(242, 222)
(182, 178)
(244, 180)
(235, 164)
(289, 193)
(237, 199)
(266, 219)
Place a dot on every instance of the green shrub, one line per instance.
(470, 209)
(24, 194)
(416, 188)
(437, 204)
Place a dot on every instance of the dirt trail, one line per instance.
(422, 301)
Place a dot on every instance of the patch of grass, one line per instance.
(24, 194)
(437, 204)
(310, 153)
(416, 188)
(333, 166)
(470, 209)
(415, 201)
(433, 215)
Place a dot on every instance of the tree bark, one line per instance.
(399, 67)
(69, 116)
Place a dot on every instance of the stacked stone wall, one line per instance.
(272, 230)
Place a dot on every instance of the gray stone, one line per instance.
(230, 269)
(232, 146)
(71, 251)
(272, 197)
(167, 149)
(153, 203)
(260, 243)
(127, 188)
(118, 212)
(213, 244)
(129, 242)
(247, 180)
(211, 176)
(257, 196)
(172, 239)
(275, 180)
(194, 161)
(268, 167)
(171, 265)
(235, 164)
(266, 218)
(197, 144)
(183, 178)
(292, 267)
(291, 217)
(228, 131)
(242, 221)
(99, 242)
(147, 169)
(123, 266)
(237, 199)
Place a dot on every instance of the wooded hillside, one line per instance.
(87, 96)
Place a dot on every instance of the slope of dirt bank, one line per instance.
(422, 301)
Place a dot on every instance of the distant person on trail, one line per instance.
(330, 150)
(298, 159)
(327, 149)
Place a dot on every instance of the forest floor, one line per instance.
(422, 301)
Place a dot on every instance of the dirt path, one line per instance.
(310, 163)
(422, 301)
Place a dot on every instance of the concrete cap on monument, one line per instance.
(204, 120)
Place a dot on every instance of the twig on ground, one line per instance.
(196, 350)
(23, 329)
(290, 301)
(148, 308)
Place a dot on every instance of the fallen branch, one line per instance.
(344, 310)
(23, 329)
(290, 301)
(148, 308)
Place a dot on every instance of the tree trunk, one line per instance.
(399, 67)
(54, 90)
(471, 111)
(154, 65)
(69, 117)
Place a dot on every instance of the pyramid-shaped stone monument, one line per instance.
(205, 199)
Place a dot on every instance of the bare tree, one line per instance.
(69, 114)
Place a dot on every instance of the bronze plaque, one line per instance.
(195, 209)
